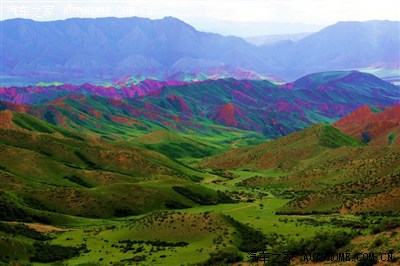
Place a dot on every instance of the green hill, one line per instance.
(284, 152)
(322, 169)
(49, 169)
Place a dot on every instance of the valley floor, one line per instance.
(188, 236)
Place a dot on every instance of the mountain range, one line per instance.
(225, 104)
(106, 49)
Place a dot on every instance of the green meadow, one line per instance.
(167, 198)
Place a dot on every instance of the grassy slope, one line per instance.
(286, 151)
(139, 181)
(87, 178)
(198, 230)
(319, 162)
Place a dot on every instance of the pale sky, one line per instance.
(255, 15)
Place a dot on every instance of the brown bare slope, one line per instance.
(373, 126)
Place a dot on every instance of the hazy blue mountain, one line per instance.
(113, 47)
(344, 45)
(77, 50)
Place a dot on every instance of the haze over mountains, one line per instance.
(275, 38)
(105, 49)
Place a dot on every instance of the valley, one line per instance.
(144, 141)
(154, 201)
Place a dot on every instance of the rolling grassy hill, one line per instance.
(324, 170)
(285, 152)
(46, 168)
(181, 146)
(131, 201)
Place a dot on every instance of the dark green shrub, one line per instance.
(44, 252)
(223, 257)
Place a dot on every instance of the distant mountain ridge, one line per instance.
(275, 38)
(105, 49)
(41, 94)
(344, 45)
